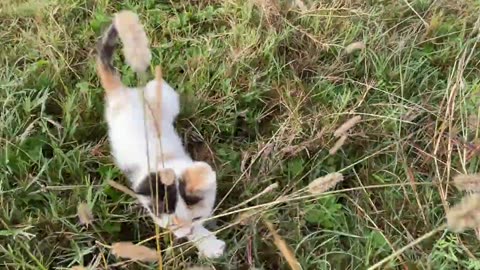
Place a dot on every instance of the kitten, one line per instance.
(176, 191)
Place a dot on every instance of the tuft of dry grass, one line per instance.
(135, 42)
(465, 214)
(467, 182)
(84, 213)
(128, 250)
(324, 183)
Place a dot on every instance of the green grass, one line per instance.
(258, 84)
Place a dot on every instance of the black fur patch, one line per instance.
(167, 195)
(189, 199)
(106, 47)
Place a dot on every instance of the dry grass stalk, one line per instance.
(84, 214)
(158, 107)
(122, 188)
(312, 143)
(467, 182)
(246, 217)
(465, 214)
(355, 46)
(338, 144)
(342, 130)
(135, 42)
(131, 251)
(78, 267)
(283, 247)
(324, 183)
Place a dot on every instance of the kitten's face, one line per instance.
(182, 199)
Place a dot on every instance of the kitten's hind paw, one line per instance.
(211, 248)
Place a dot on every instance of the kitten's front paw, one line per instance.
(211, 247)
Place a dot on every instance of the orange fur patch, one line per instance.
(108, 79)
(196, 178)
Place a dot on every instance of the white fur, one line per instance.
(129, 133)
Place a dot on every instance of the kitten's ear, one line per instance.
(197, 178)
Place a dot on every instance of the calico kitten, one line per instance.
(176, 191)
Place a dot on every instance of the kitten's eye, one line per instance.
(196, 218)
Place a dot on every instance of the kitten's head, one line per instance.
(183, 199)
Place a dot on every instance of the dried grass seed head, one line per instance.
(84, 214)
(342, 130)
(131, 251)
(359, 45)
(467, 182)
(338, 144)
(135, 42)
(465, 214)
(324, 183)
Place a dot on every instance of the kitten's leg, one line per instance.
(108, 76)
(207, 243)
(109, 80)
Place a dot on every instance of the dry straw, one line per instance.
(287, 253)
(342, 130)
(122, 188)
(135, 42)
(131, 251)
(465, 215)
(324, 183)
(467, 182)
(338, 144)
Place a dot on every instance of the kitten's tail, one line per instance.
(127, 26)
